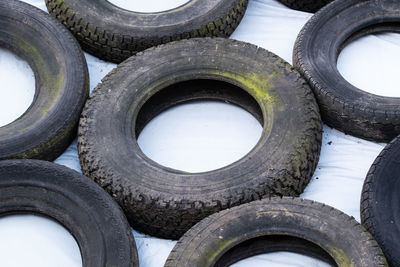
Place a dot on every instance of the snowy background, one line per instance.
(222, 134)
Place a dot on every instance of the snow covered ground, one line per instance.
(368, 63)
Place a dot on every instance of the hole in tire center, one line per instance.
(30, 240)
(148, 6)
(370, 63)
(199, 136)
(277, 251)
(281, 259)
(17, 88)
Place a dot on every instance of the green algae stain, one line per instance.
(30, 50)
(259, 86)
(212, 254)
(340, 257)
(51, 80)
(57, 82)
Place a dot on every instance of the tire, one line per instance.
(164, 202)
(306, 5)
(81, 206)
(341, 240)
(114, 34)
(46, 129)
(343, 106)
(380, 201)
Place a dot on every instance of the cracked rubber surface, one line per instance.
(380, 201)
(49, 125)
(306, 5)
(303, 226)
(342, 105)
(114, 34)
(165, 202)
(91, 216)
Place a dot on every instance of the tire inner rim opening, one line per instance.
(270, 247)
(199, 125)
(149, 6)
(368, 63)
(42, 242)
(17, 88)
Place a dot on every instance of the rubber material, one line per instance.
(342, 241)
(380, 201)
(343, 106)
(80, 205)
(114, 34)
(165, 202)
(49, 125)
(306, 5)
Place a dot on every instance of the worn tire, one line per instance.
(341, 240)
(343, 106)
(306, 5)
(49, 125)
(166, 202)
(380, 201)
(80, 205)
(114, 34)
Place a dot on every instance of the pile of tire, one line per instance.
(247, 208)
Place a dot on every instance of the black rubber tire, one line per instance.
(165, 202)
(343, 106)
(306, 5)
(114, 34)
(76, 202)
(342, 240)
(49, 125)
(380, 201)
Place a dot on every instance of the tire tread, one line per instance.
(116, 48)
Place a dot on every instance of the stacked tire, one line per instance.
(165, 202)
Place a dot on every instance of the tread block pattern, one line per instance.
(116, 48)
